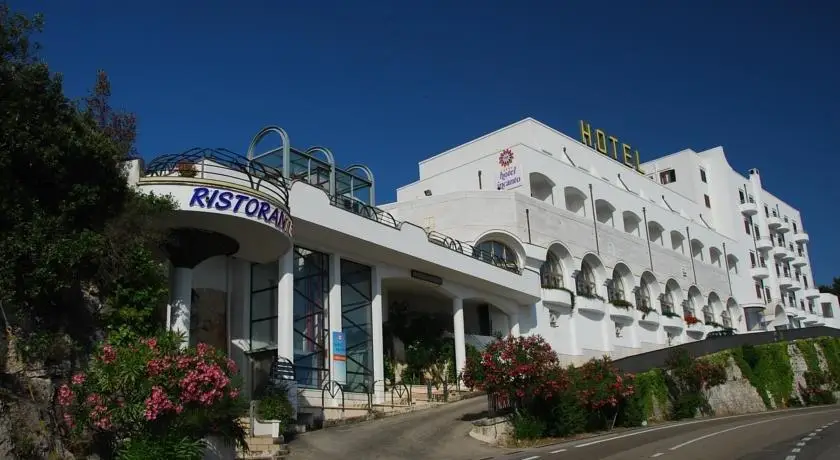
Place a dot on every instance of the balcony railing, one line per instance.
(472, 251)
(365, 210)
(586, 288)
(224, 166)
(667, 307)
(551, 281)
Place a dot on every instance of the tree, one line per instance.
(833, 289)
(66, 211)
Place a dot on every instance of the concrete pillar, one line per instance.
(514, 323)
(334, 312)
(378, 349)
(285, 307)
(458, 332)
(180, 302)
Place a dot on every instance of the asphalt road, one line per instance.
(802, 434)
(430, 434)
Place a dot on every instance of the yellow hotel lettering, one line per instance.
(609, 145)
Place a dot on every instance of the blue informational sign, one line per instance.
(339, 349)
(339, 345)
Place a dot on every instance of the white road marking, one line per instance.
(535, 457)
(790, 457)
(656, 455)
(812, 434)
(818, 430)
(800, 444)
(796, 450)
(807, 438)
(693, 422)
(557, 451)
(705, 436)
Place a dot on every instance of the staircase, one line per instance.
(261, 447)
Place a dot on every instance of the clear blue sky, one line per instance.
(390, 85)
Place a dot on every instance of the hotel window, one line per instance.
(708, 203)
(741, 196)
(494, 251)
(752, 258)
(767, 296)
(805, 281)
(766, 211)
(802, 305)
(758, 289)
(747, 225)
(668, 176)
(703, 175)
(756, 232)
(795, 230)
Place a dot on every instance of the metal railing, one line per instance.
(472, 251)
(551, 281)
(367, 211)
(222, 165)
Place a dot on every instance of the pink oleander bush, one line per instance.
(153, 393)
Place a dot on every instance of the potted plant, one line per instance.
(186, 169)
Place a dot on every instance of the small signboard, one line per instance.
(339, 352)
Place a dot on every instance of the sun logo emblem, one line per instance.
(505, 158)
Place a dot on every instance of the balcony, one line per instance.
(647, 315)
(591, 305)
(788, 255)
(800, 314)
(784, 227)
(763, 244)
(785, 281)
(622, 312)
(774, 222)
(759, 272)
(553, 292)
(801, 237)
(795, 285)
(790, 311)
(748, 208)
(812, 293)
(798, 261)
(672, 322)
(780, 252)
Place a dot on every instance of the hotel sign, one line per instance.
(610, 145)
(238, 203)
(510, 174)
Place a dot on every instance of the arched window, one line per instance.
(643, 295)
(727, 319)
(551, 272)
(492, 250)
(708, 316)
(586, 280)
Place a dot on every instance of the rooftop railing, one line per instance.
(472, 251)
(224, 166)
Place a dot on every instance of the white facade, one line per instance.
(546, 196)
(283, 257)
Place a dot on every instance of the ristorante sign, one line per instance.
(239, 203)
(609, 145)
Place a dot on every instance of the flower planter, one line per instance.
(590, 305)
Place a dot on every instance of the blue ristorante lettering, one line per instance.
(212, 198)
(251, 210)
(224, 201)
(239, 200)
(198, 196)
(263, 212)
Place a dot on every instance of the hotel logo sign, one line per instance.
(510, 174)
(610, 145)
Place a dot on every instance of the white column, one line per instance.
(514, 323)
(378, 349)
(180, 302)
(285, 307)
(458, 331)
(334, 311)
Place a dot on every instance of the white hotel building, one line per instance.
(525, 230)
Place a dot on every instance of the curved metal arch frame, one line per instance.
(286, 148)
(255, 172)
(330, 159)
(369, 174)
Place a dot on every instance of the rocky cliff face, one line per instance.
(27, 427)
(736, 396)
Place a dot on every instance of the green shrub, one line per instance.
(273, 404)
(527, 426)
(652, 389)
